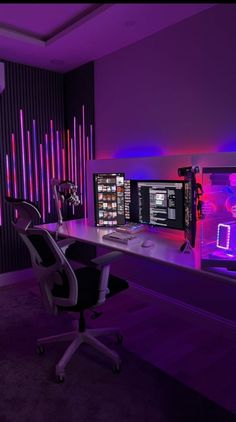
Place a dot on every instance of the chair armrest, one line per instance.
(107, 258)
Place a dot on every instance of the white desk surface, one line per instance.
(166, 247)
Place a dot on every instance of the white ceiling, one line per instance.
(61, 37)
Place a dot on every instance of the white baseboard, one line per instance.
(214, 321)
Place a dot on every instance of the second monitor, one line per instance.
(157, 203)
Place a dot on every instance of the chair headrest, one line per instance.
(27, 211)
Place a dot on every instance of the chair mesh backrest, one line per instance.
(51, 267)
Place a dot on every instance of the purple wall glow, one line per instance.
(171, 93)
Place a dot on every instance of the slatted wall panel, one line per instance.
(31, 119)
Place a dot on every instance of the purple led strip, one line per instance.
(75, 155)
(23, 154)
(52, 148)
(72, 160)
(91, 142)
(58, 155)
(30, 167)
(48, 173)
(81, 165)
(42, 182)
(72, 169)
(35, 162)
(8, 176)
(84, 164)
(13, 146)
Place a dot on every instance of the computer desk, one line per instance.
(166, 247)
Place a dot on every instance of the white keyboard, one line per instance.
(124, 238)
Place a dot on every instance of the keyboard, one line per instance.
(124, 238)
(131, 228)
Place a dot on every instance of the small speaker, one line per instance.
(2, 77)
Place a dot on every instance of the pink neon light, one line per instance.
(30, 166)
(68, 146)
(87, 146)
(64, 163)
(42, 182)
(81, 165)
(13, 146)
(8, 176)
(84, 165)
(35, 162)
(23, 154)
(52, 148)
(91, 142)
(75, 152)
(72, 169)
(58, 156)
(48, 173)
(72, 161)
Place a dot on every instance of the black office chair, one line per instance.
(66, 290)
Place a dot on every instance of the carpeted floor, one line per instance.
(91, 392)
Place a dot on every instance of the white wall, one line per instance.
(171, 93)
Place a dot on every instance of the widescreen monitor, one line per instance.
(158, 203)
(109, 199)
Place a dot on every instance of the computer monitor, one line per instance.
(158, 203)
(109, 199)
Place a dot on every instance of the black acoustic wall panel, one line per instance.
(31, 148)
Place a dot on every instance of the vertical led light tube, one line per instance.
(81, 166)
(64, 163)
(91, 142)
(48, 172)
(13, 147)
(42, 182)
(8, 176)
(23, 154)
(30, 167)
(52, 148)
(75, 153)
(72, 169)
(35, 162)
(68, 154)
(87, 148)
(84, 163)
(72, 160)
(58, 156)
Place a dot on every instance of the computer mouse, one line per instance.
(147, 243)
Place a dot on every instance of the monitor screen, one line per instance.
(158, 203)
(109, 199)
(127, 199)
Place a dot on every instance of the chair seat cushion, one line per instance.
(88, 284)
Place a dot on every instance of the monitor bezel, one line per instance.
(165, 181)
(116, 173)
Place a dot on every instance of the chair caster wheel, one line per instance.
(116, 368)
(119, 339)
(40, 349)
(60, 379)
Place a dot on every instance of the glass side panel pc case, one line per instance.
(218, 234)
(109, 199)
